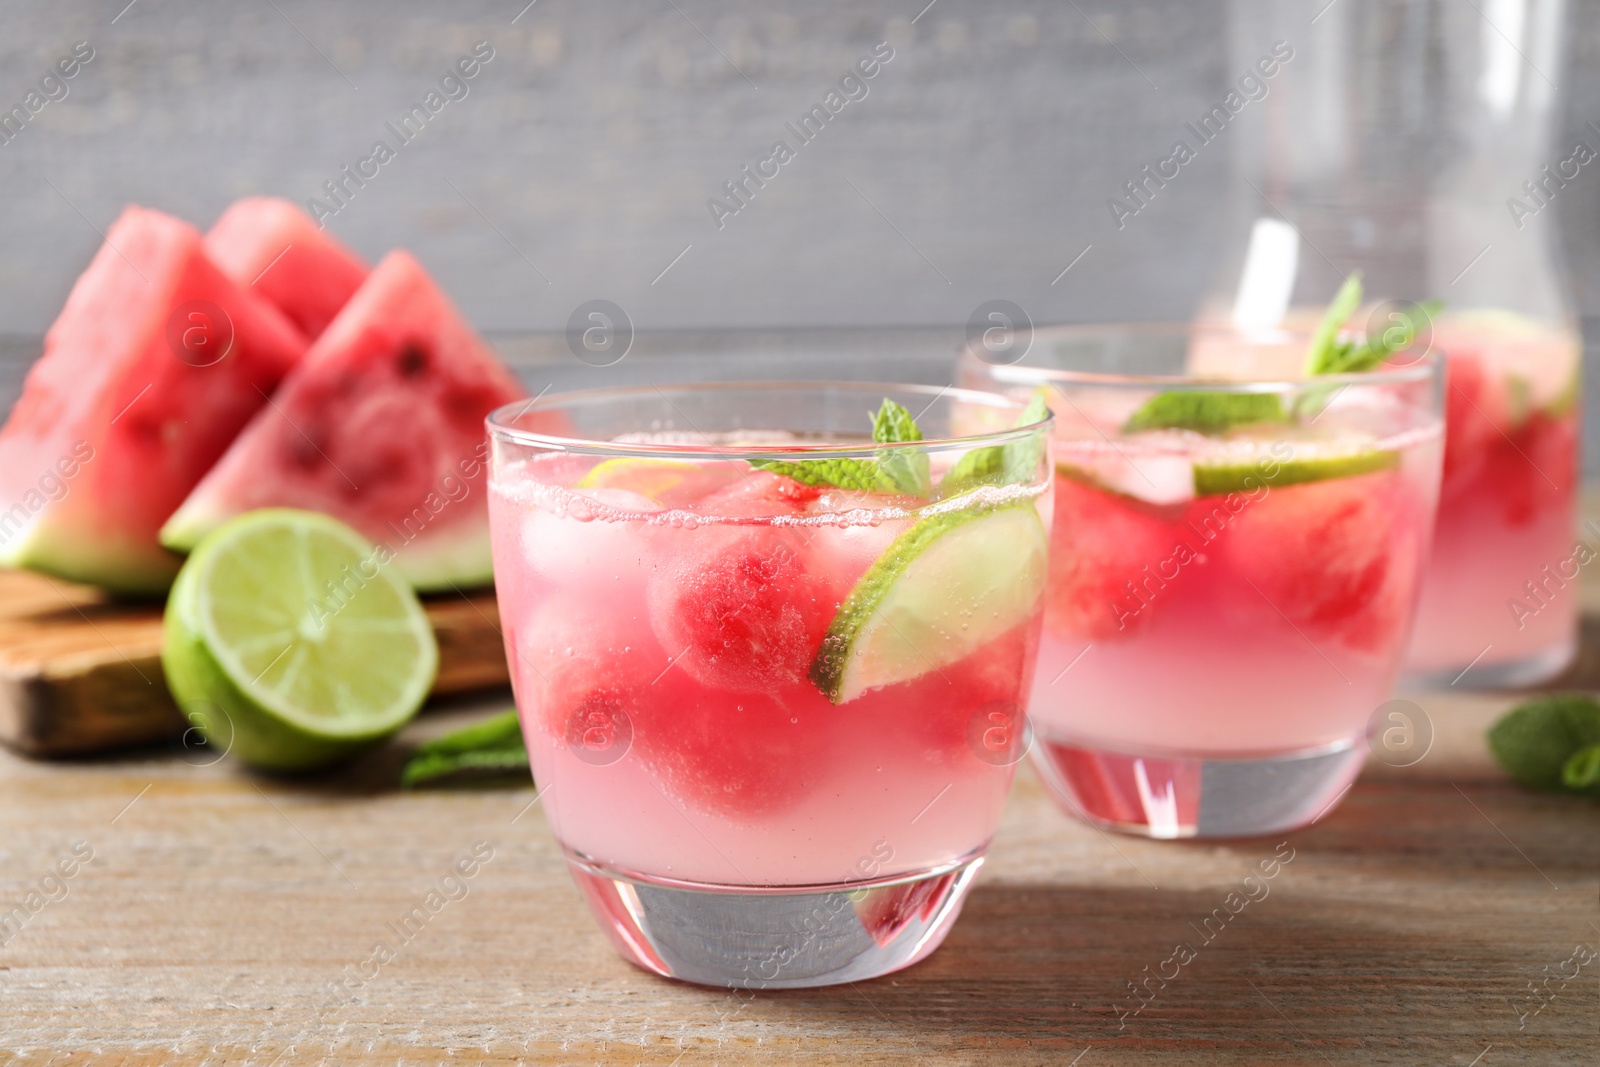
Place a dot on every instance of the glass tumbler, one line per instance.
(1234, 569)
(770, 644)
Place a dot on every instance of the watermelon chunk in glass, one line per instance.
(381, 426)
(153, 366)
(274, 249)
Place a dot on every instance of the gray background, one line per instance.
(580, 164)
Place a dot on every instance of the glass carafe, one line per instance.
(1412, 140)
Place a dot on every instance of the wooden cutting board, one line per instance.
(81, 673)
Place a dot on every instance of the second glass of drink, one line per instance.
(1234, 570)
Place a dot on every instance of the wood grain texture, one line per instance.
(220, 911)
(80, 673)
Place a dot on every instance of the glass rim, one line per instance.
(499, 421)
(1421, 369)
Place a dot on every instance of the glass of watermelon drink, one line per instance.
(770, 644)
(1499, 601)
(1499, 605)
(1233, 570)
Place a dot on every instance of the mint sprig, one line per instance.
(1218, 412)
(893, 471)
(1551, 743)
(490, 749)
(1329, 355)
(1325, 343)
(1000, 464)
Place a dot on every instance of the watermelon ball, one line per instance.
(745, 757)
(582, 674)
(759, 495)
(1531, 471)
(1100, 543)
(1337, 557)
(739, 609)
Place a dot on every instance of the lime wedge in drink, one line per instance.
(289, 643)
(943, 589)
(1212, 478)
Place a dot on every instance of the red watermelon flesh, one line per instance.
(274, 249)
(381, 426)
(141, 387)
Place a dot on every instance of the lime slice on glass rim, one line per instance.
(289, 644)
(955, 581)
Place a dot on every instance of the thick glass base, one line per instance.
(1516, 674)
(775, 937)
(1170, 795)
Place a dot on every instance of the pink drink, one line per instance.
(742, 773)
(664, 617)
(1227, 608)
(1499, 596)
(1247, 625)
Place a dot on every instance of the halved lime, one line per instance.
(955, 581)
(290, 643)
(1214, 479)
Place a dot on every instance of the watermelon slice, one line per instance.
(273, 248)
(153, 366)
(380, 426)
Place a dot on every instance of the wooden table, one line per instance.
(219, 910)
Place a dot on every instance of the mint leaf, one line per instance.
(1355, 357)
(1329, 355)
(492, 748)
(1535, 741)
(465, 766)
(893, 425)
(1403, 334)
(1000, 464)
(899, 471)
(1204, 412)
(1324, 343)
(861, 474)
(1582, 771)
(907, 468)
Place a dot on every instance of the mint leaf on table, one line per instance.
(1204, 412)
(1582, 771)
(1537, 741)
(898, 471)
(1005, 464)
(489, 749)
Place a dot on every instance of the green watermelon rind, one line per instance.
(448, 559)
(60, 551)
